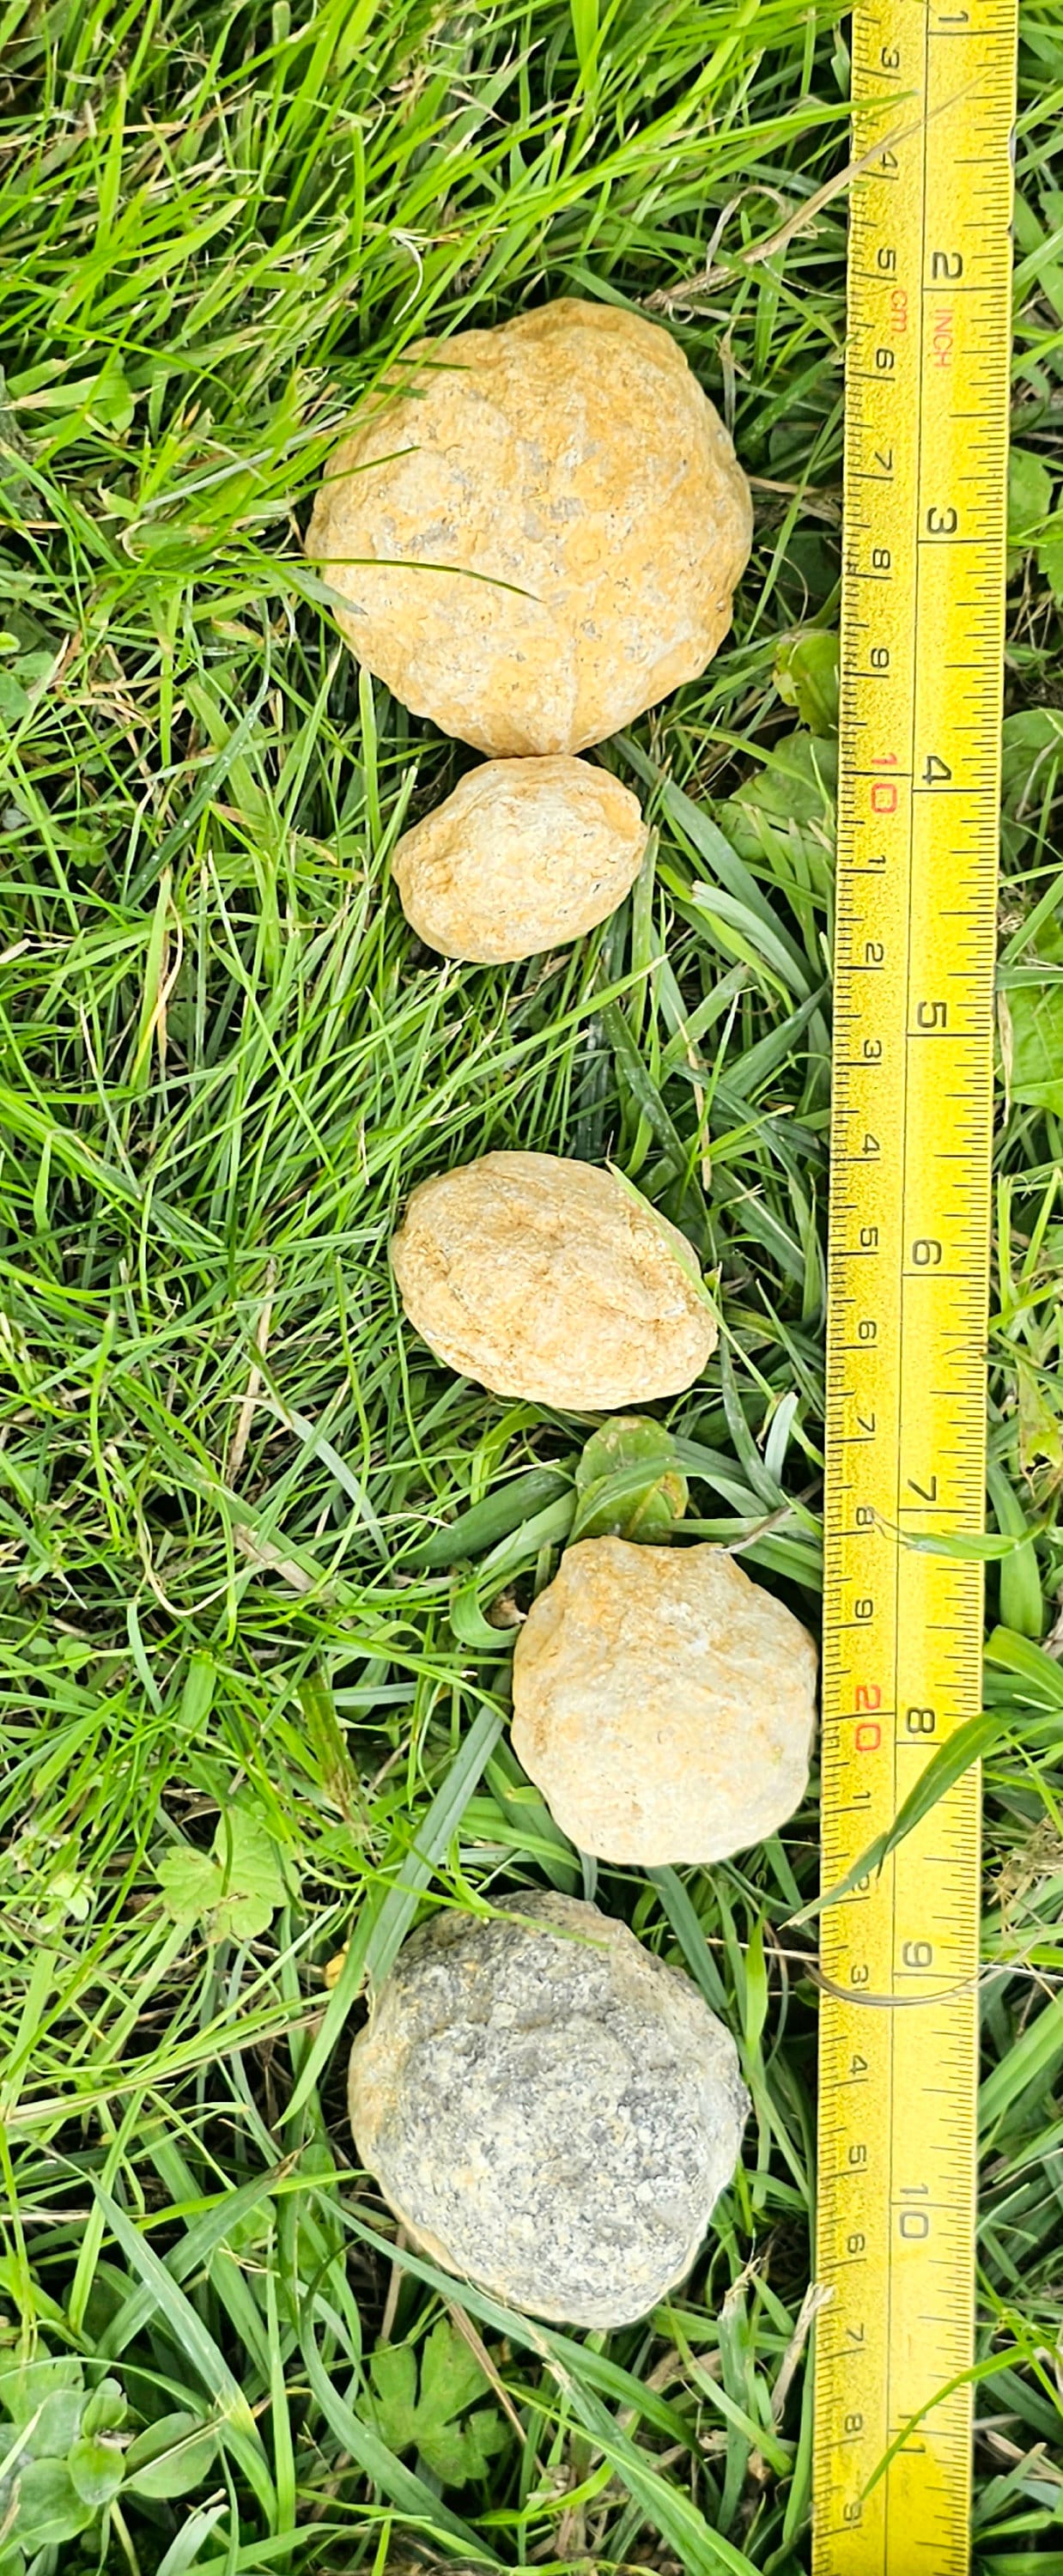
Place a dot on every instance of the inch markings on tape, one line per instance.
(919, 795)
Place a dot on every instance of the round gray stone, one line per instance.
(548, 2108)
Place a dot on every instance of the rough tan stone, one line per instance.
(548, 2108)
(536, 529)
(663, 1703)
(548, 1280)
(524, 855)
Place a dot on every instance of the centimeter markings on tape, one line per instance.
(922, 669)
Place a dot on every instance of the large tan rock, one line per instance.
(550, 1281)
(524, 855)
(536, 530)
(663, 1703)
(548, 2108)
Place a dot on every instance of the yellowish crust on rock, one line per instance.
(536, 530)
(663, 1703)
(547, 1280)
(523, 855)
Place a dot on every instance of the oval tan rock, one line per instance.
(537, 530)
(548, 2108)
(524, 855)
(663, 1703)
(550, 1281)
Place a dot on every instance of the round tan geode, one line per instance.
(536, 530)
(548, 2107)
(550, 1281)
(524, 855)
(663, 1703)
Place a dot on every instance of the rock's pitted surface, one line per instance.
(663, 1703)
(536, 529)
(547, 1280)
(549, 2109)
(524, 855)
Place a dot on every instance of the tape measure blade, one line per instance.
(919, 785)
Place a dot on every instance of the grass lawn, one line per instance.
(249, 1531)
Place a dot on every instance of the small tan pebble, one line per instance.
(548, 2108)
(524, 855)
(549, 1281)
(663, 1704)
(536, 529)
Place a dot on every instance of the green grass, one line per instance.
(248, 1531)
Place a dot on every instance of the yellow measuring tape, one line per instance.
(922, 666)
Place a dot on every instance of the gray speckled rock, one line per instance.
(548, 2109)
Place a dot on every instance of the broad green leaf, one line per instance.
(451, 2377)
(32, 668)
(378, 2462)
(622, 2388)
(171, 2456)
(50, 2509)
(462, 2454)
(1032, 745)
(190, 1882)
(106, 2409)
(1029, 493)
(95, 2466)
(1030, 739)
(393, 2372)
(806, 676)
(235, 1888)
(1050, 563)
(254, 1880)
(53, 2391)
(629, 1482)
(14, 703)
(425, 2414)
(1035, 1072)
